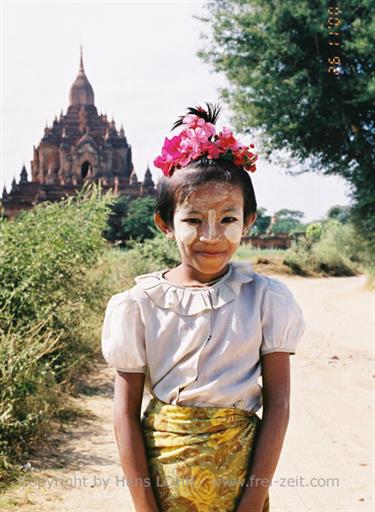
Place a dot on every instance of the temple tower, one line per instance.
(80, 146)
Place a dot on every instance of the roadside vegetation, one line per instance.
(51, 305)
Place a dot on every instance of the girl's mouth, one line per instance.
(211, 254)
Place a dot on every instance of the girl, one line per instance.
(197, 338)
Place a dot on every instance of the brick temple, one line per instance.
(80, 146)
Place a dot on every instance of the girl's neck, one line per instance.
(184, 275)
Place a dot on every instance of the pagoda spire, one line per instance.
(133, 178)
(23, 175)
(81, 67)
(81, 91)
(147, 180)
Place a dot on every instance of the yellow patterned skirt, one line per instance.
(198, 456)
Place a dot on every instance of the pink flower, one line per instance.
(245, 158)
(198, 139)
(170, 154)
(227, 141)
(209, 129)
(172, 146)
(164, 165)
(212, 150)
(192, 146)
(192, 121)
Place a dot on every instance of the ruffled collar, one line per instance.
(187, 300)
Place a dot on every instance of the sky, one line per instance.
(141, 59)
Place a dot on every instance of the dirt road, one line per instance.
(325, 464)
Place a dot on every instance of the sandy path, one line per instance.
(331, 429)
(329, 435)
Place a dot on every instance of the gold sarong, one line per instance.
(198, 457)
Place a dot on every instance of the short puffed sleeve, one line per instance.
(282, 319)
(123, 339)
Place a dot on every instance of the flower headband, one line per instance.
(199, 140)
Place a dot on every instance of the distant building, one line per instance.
(80, 146)
(277, 241)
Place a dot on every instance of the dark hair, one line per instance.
(174, 190)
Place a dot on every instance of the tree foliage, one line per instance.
(275, 56)
(286, 220)
(131, 219)
(262, 222)
(314, 232)
(340, 213)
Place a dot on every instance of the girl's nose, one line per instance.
(210, 232)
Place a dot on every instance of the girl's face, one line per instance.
(208, 226)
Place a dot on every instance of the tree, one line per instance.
(262, 222)
(119, 210)
(286, 220)
(139, 222)
(275, 55)
(340, 213)
(131, 219)
(314, 232)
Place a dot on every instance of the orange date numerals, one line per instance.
(334, 63)
(333, 38)
(333, 22)
(334, 11)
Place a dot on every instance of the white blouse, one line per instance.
(202, 346)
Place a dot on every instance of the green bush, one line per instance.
(131, 219)
(314, 232)
(51, 304)
(334, 249)
(44, 258)
(151, 255)
(44, 254)
(29, 395)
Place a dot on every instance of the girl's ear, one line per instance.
(162, 225)
(250, 222)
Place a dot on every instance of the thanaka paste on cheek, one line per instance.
(187, 234)
(233, 233)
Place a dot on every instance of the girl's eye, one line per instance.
(229, 219)
(192, 221)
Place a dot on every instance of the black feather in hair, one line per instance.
(210, 115)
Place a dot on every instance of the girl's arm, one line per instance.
(271, 432)
(130, 441)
